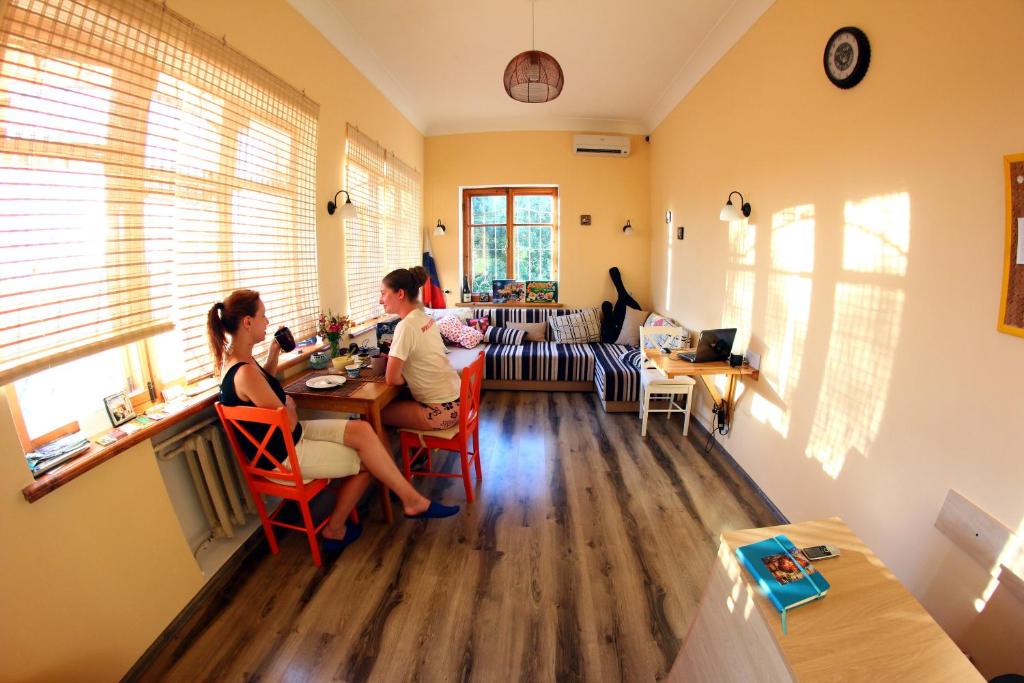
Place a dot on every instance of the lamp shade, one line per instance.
(533, 76)
(348, 209)
(729, 213)
(439, 229)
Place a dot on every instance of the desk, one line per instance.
(673, 367)
(367, 399)
(867, 628)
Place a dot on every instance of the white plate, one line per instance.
(325, 381)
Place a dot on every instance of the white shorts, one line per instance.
(322, 451)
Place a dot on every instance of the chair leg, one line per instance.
(476, 454)
(307, 519)
(686, 415)
(464, 457)
(644, 411)
(268, 530)
(406, 461)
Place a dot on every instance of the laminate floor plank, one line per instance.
(582, 558)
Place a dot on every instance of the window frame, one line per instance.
(510, 193)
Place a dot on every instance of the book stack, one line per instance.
(48, 456)
(785, 575)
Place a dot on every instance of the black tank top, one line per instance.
(229, 397)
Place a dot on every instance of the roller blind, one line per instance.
(147, 169)
(385, 234)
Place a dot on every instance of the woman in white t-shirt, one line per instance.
(417, 358)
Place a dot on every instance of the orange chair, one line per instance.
(453, 439)
(262, 481)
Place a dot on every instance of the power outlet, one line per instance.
(753, 360)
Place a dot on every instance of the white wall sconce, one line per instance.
(668, 217)
(729, 213)
(439, 229)
(348, 210)
(627, 229)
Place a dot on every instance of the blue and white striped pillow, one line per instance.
(632, 357)
(504, 335)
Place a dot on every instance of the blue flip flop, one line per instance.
(436, 511)
(334, 546)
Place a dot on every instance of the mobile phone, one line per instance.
(821, 552)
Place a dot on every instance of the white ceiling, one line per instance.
(440, 62)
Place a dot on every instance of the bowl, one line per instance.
(318, 360)
(353, 369)
(341, 361)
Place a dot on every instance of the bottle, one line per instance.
(467, 295)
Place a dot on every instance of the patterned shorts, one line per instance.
(441, 415)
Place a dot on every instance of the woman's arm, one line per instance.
(251, 385)
(272, 356)
(393, 373)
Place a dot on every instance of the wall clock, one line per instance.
(847, 55)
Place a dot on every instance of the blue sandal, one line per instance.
(436, 511)
(334, 546)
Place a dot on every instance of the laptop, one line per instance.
(712, 345)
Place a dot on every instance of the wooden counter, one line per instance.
(867, 628)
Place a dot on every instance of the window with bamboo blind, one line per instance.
(147, 170)
(385, 234)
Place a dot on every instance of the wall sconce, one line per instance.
(439, 229)
(668, 216)
(348, 210)
(729, 213)
(627, 229)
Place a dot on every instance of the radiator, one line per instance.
(219, 483)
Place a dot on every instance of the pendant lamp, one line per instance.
(533, 76)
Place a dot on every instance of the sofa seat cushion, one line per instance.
(500, 317)
(540, 362)
(615, 378)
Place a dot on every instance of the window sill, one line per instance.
(488, 304)
(97, 455)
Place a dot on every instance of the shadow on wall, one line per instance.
(867, 302)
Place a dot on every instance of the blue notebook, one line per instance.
(785, 576)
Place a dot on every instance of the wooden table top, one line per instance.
(675, 367)
(370, 391)
(866, 626)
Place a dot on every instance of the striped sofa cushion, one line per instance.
(540, 362)
(614, 378)
(500, 316)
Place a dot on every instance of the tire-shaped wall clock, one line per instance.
(847, 55)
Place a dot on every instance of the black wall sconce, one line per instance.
(729, 213)
(348, 210)
(439, 229)
(627, 229)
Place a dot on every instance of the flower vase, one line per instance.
(334, 347)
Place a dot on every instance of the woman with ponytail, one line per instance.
(326, 449)
(417, 358)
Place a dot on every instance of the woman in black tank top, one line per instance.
(242, 317)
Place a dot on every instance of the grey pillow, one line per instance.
(631, 324)
(536, 332)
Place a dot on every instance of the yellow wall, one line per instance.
(95, 571)
(611, 190)
(869, 274)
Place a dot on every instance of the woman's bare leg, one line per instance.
(360, 436)
(350, 491)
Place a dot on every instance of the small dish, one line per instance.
(325, 382)
(353, 369)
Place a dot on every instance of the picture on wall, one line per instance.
(508, 291)
(542, 292)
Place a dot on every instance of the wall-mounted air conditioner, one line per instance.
(601, 145)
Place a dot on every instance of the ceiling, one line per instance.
(440, 62)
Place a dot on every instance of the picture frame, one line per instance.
(119, 408)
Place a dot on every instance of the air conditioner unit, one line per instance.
(601, 145)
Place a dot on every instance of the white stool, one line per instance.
(653, 381)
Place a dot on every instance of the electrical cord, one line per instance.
(718, 426)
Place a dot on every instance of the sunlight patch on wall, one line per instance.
(738, 310)
(1011, 557)
(668, 270)
(786, 313)
(876, 238)
(741, 243)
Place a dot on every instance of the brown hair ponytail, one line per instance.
(408, 280)
(224, 318)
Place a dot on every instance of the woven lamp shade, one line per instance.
(533, 76)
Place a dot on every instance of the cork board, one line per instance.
(1011, 305)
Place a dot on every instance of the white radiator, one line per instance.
(219, 483)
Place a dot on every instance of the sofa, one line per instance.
(549, 366)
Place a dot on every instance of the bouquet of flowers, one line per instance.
(331, 327)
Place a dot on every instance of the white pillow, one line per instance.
(630, 334)
(576, 328)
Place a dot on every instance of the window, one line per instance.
(385, 234)
(509, 233)
(147, 170)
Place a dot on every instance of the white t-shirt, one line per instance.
(431, 378)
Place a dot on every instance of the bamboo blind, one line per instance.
(147, 169)
(385, 234)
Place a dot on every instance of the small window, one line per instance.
(509, 232)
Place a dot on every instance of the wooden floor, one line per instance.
(583, 558)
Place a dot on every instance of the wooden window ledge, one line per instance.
(488, 304)
(97, 455)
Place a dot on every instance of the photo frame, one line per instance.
(119, 408)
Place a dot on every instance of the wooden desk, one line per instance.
(867, 628)
(369, 400)
(673, 367)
